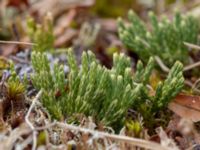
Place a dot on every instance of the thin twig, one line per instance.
(30, 109)
(161, 64)
(24, 144)
(8, 142)
(194, 86)
(134, 141)
(194, 65)
(193, 46)
(46, 126)
(188, 83)
(29, 123)
(17, 42)
(166, 69)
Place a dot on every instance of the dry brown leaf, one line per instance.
(186, 106)
(8, 49)
(58, 7)
(65, 38)
(109, 24)
(64, 22)
(17, 3)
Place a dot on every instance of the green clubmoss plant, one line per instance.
(105, 94)
(165, 39)
(41, 34)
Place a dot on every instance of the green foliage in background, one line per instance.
(41, 34)
(165, 39)
(105, 94)
(111, 8)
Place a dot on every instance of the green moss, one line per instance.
(41, 140)
(134, 128)
(15, 88)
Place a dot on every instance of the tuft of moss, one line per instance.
(12, 103)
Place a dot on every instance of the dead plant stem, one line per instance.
(29, 123)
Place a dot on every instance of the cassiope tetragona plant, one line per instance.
(165, 38)
(105, 94)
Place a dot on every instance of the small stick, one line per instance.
(190, 45)
(161, 64)
(189, 83)
(29, 123)
(45, 127)
(130, 140)
(189, 67)
(17, 42)
(24, 144)
(166, 69)
(194, 86)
